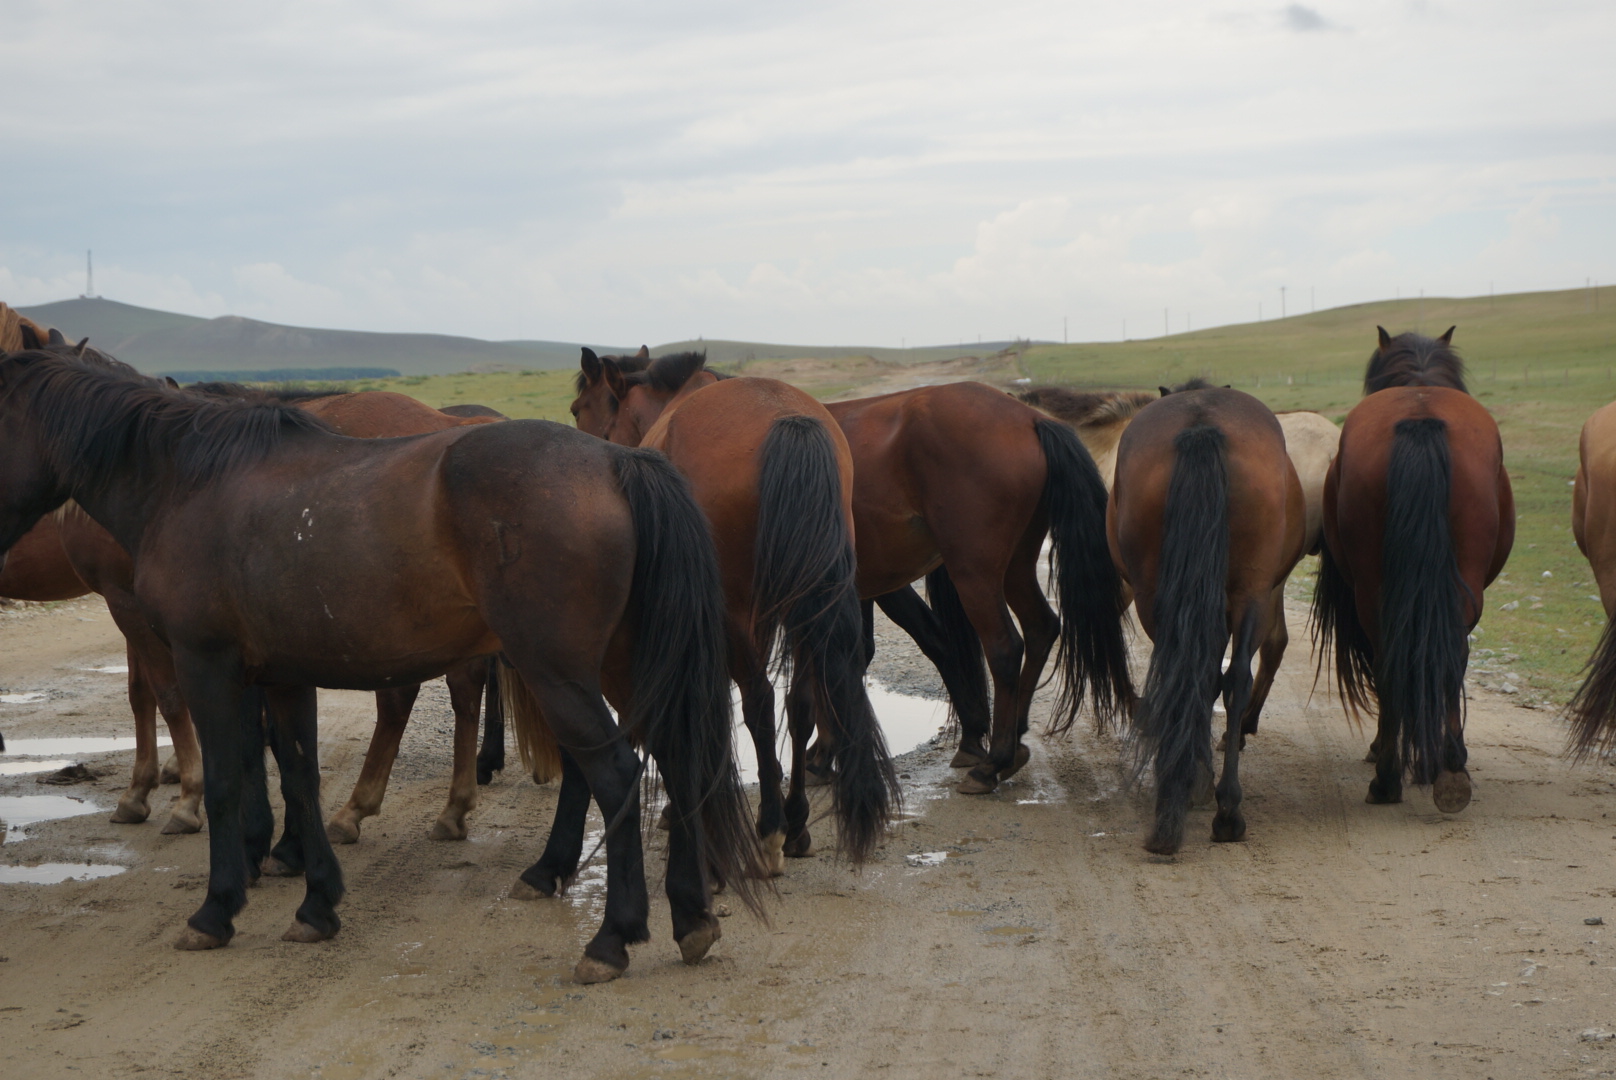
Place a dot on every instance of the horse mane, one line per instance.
(1086, 408)
(287, 394)
(626, 364)
(94, 414)
(1411, 359)
(666, 373)
(1198, 382)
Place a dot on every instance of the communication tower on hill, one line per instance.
(89, 278)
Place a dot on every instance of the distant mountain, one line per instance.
(161, 342)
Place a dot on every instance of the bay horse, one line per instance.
(1419, 518)
(1205, 522)
(772, 472)
(274, 556)
(1593, 523)
(961, 484)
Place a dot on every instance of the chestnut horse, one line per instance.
(772, 472)
(1205, 522)
(1593, 524)
(275, 556)
(1419, 518)
(960, 484)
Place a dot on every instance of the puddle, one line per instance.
(927, 858)
(906, 721)
(59, 747)
(54, 873)
(22, 768)
(22, 699)
(110, 669)
(21, 811)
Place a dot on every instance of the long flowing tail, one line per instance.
(1336, 627)
(681, 707)
(1175, 717)
(541, 754)
(803, 583)
(1592, 711)
(1092, 658)
(1419, 668)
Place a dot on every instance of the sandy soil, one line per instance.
(1023, 934)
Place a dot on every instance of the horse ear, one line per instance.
(614, 378)
(1228, 386)
(1447, 338)
(1164, 391)
(30, 339)
(589, 363)
(643, 354)
(1385, 338)
(55, 337)
(79, 348)
(172, 384)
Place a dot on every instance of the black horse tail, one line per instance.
(962, 648)
(1192, 627)
(1092, 657)
(803, 583)
(1336, 625)
(681, 707)
(1420, 665)
(1592, 711)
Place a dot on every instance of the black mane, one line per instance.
(94, 416)
(1414, 360)
(1197, 383)
(286, 394)
(624, 364)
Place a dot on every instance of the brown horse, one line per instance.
(961, 484)
(1205, 521)
(1419, 518)
(1593, 523)
(275, 556)
(772, 472)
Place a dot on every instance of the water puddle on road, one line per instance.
(22, 748)
(54, 873)
(906, 722)
(23, 768)
(22, 699)
(20, 811)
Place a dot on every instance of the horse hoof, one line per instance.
(975, 785)
(1451, 792)
(590, 970)
(523, 891)
(342, 831)
(182, 820)
(694, 945)
(1377, 797)
(130, 812)
(447, 830)
(302, 932)
(965, 759)
(1371, 757)
(193, 940)
(1017, 763)
(664, 820)
(1163, 846)
(800, 846)
(270, 866)
(774, 859)
(1228, 830)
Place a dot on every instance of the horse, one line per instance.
(1205, 522)
(1593, 708)
(773, 474)
(274, 556)
(961, 484)
(1100, 417)
(1419, 518)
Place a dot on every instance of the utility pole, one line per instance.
(1065, 340)
(1312, 304)
(89, 277)
(1282, 301)
(1165, 328)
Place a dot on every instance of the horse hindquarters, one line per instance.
(1422, 648)
(1190, 615)
(804, 583)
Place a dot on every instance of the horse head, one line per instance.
(1411, 359)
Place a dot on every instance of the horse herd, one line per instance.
(695, 529)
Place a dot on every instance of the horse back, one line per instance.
(379, 414)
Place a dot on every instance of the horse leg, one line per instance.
(1387, 786)
(565, 845)
(229, 720)
(285, 859)
(757, 709)
(294, 712)
(492, 757)
(1268, 661)
(1040, 626)
(984, 603)
(917, 619)
(132, 805)
(800, 721)
(1228, 824)
(1451, 790)
(466, 696)
(186, 816)
(392, 714)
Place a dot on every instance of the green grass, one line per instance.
(524, 395)
(1542, 362)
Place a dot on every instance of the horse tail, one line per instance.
(1592, 711)
(1420, 665)
(1336, 626)
(1092, 657)
(961, 644)
(803, 583)
(681, 708)
(1191, 627)
(535, 742)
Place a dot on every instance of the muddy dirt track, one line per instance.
(1023, 934)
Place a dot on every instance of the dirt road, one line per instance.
(1023, 934)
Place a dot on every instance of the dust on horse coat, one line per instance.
(1205, 522)
(274, 556)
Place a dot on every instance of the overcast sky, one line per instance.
(826, 172)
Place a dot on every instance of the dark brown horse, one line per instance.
(772, 472)
(274, 556)
(961, 484)
(1206, 521)
(1419, 518)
